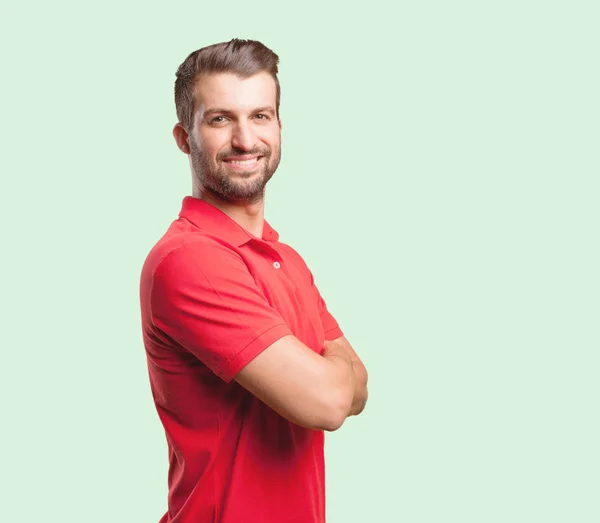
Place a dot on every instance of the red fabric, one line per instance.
(213, 296)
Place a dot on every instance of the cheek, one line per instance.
(213, 143)
(273, 138)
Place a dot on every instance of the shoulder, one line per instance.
(188, 251)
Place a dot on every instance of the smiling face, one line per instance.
(235, 139)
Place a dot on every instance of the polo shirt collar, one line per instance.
(208, 218)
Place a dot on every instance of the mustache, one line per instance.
(240, 152)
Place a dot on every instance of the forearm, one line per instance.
(310, 390)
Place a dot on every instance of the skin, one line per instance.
(235, 119)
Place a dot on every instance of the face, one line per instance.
(235, 140)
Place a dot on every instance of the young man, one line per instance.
(247, 366)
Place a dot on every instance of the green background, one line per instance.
(440, 177)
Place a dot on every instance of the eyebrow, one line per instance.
(265, 109)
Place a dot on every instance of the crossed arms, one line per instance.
(316, 392)
(215, 310)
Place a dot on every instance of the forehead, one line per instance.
(233, 92)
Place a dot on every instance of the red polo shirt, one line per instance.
(213, 296)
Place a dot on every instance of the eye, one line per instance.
(217, 119)
(261, 116)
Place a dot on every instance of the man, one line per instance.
(247, 366)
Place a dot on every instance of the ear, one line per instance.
(181, 138)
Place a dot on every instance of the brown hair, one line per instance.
(242, 57)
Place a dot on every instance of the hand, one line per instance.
(341, 348)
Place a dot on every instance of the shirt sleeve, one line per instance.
(330, 325)
(205, 299)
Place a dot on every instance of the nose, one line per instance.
(243, 137)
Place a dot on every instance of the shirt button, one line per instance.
(276, 264)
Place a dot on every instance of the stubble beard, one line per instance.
(234, 187)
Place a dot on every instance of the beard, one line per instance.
(234, 187)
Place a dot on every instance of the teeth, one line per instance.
(243, 162)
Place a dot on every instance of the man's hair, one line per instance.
(241, 57)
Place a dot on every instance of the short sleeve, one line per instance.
(205, 299)
(330, 325)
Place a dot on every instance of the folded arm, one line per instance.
(214, 308)
(304, 387)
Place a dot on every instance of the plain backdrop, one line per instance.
(440, 177)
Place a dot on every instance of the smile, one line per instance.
(243, 162)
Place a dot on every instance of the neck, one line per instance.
(249, 215)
